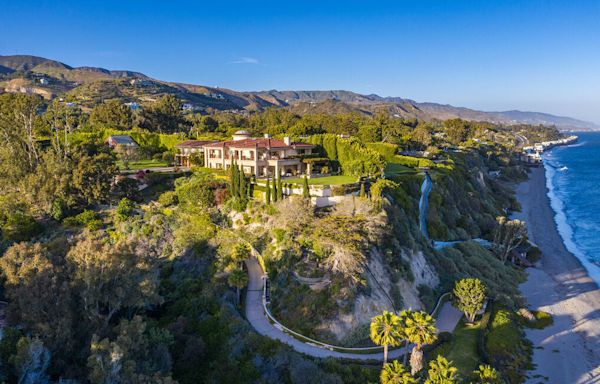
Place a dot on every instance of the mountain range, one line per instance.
(90, 85)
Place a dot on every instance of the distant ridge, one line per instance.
(90, 85)
(36, 64)
(421, 110)
(27, 62)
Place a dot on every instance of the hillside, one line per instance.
(53, 68)
(89, 85)
(411, 109)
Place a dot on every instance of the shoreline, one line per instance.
(564, 228)
(569, 350)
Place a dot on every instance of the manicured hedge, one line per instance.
(354, 158)
(160, 141)
(387, 150)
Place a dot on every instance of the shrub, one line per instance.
(19, 226)
(534, 254)
(89, 219)
(168, 198)
(338, 190)
(125, 209)
(197, 159)
(506, 345)
(168, 157)
(59, 209)
(197, 190)
(542, 320)
(127, 187)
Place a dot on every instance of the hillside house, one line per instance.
(260, 156)
(133, 105)
(188, 148)
(216, 96)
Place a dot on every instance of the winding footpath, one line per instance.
(258, 315)
(446, 321)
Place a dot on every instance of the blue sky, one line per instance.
(491, 55)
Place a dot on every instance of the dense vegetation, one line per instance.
(106, 283)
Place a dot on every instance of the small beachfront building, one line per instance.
(260, 156)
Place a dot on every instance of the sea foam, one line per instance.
(564, 229)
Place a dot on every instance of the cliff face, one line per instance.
(404, 271)
(385, 293)
(312, 295)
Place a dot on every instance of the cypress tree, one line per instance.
(362, 193)
(238, 177)
(268, 193)
(275, 192)
(233, 180)
(306, 189)
(279, 189)
(243, 189)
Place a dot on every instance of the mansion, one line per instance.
(260, 156)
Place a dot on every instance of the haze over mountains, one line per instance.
(90, 85)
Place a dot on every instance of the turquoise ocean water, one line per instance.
(573, 181)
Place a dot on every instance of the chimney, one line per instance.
(267, 136)
(287, 140)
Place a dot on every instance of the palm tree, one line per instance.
(240, 253)
(238, 279)
(420, 330)
(395, 373)
(386, 331)
(486, 374)
(441, 372)
(404, 315)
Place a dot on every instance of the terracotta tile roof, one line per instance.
(193, 143)
(259, 142)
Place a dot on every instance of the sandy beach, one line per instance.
(569, 350)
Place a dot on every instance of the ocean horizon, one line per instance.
(573, 182)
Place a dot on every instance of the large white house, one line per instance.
(260, 156)
(188, 148)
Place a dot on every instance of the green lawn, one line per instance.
(142, 164)
(395, 169)
(462, 350)
(325, 180)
